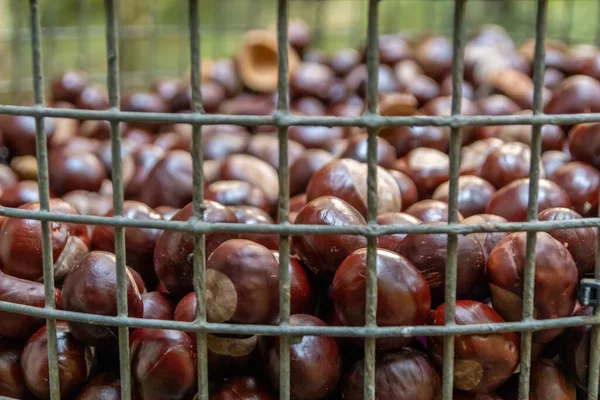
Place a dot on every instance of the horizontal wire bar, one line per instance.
(283, 119)
(296, 330)
(195, 226)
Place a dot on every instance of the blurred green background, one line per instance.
(154, 36)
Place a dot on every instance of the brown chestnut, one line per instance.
(430, 211)
(220, 141)
(549, 382)
(105, 386)
(170, 181)
(581, 181)
(308, 106)
(497, 104)
(157, 306)
(347, 180)
(581, 242)
(145, 103)
(427, 168)
(356, 80)
(323, 254)
(19, 133)
(407, 138)
(578, 94)
(556, 280)
(428, 252)
(575, 350)
(506, 164)
(12, 383)
(422, 87)
(312, 79)
(408, 189)
(434, 54)
(70, 172)
(315, 137)
(481, 362)
(68, 86)
(236, 193)
(517, 85)
(357, 150)
(166, 88)
(21, 244)
(316, 361)
(446, 88)
(553, 136)
(266, 148)
(89, 203)
(343, 61)
(163, 364)
(254, 215)
(255, 171)
(511, 201)
(242, 283)
(242, 388)
(553, 160)
(305, 167)
(584, 143)
(301, 291)
(93, 97)
(474, 194)
(443, 106)
(145, 159)
(174, 251)
(405, 374)
(139, 242)
(403, 295)
(91, 287)
(473, 156)
(487, 239)
(20, 193)
(74, 362)
(20, 291)
(390, 242)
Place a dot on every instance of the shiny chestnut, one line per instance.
(305, 167)
(581, 181)
(20, 193)
(253, 215)
(21, 245)
(316, 361)
(580, 242)
(427, 168)
(242, 388)
(68, 172)
(403, 295)
(556, 280)
(584, 143)
(105, 386)
(506, 164)
(431, 211)
(481, 362)
(428, 252)
(139, 242)
(163, 364)
(74, 362)
(474, 194)
(170, 181)
(347, 180)
(12, 383)
(323, 254)
(408, 189)
(357, 150)
(91, 287)
(173, 254)
(406, 374)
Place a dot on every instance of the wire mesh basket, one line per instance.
(368, 21)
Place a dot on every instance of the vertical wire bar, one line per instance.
(152, 43)
(17, 54)
(455, 140)
(112, 54)
(372, 200)
(283, 104)
(44, 193)
(198, 201)
(594, 364)
(532, 207)
(83, 36)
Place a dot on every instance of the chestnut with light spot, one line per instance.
(481, 362)
(347, 180)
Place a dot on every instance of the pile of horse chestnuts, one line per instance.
(327, 187)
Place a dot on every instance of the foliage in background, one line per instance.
(154, 36)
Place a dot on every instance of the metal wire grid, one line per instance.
(371, 120)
